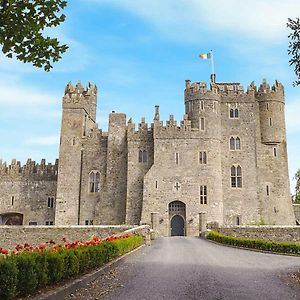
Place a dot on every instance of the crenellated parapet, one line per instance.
(40, 170)
(143, 131)
(273, 93)
(79, 97)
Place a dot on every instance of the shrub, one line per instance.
(41, 269)
(55, 265)
(266, 245)
(8, 278)
(70, 264)
(27, 279)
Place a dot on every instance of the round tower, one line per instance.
(203, 108)
(271, 112)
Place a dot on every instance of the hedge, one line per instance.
(24, 271)
(266, 245)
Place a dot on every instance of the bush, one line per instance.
(70, 264)
(280, 247)
(27, 279)
(27, 271)
(8, 278)
(55, 265)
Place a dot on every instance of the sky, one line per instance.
(139, 54)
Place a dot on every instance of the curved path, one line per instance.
(193, 268)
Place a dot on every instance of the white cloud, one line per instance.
(43, 141)
(258, 19)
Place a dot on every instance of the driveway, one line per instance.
(193, 268)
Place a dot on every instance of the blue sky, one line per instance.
(139, 53)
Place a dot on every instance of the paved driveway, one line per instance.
(193, 268)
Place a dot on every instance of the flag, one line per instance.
(205, 56)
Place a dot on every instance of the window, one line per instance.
(12, 200)
(156, 184)
(236, 177)
(49, 223)
(233, 113)
(202, 158)
(177, 158)
(89, 222)
(203, 194)
(215, 106)
(143, 156)
(201, 125)
(267, 106)
(94, 182)
(235, 143)
(270, 121)
(32, 223)
(275, 151)
(202, 104)
(50, 202)
(238, 220)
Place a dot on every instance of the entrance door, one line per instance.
(177, 226)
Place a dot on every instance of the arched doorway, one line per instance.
(11, 219)
(177, 218)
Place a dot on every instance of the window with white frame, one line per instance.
(50, 202)
(94, 186)
(234, 113)
(203, 194)
(235, 143)
(236, 177)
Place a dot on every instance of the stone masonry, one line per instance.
(225, 162)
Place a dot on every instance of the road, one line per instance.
(193, 268)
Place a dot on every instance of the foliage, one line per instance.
(297, 188)
(266, 245)
(26, 268)
(27, 279)
(22, 30)
(294, 47)
(8, 278)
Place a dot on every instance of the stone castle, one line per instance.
(225, 162)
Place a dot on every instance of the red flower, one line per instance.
(4, 251)
(42, 246)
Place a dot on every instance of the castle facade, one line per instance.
(227, 160)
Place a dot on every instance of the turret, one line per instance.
(78, 122)
(202, 106)
(271, 111)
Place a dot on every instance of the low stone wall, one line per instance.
(34, 235)
(272, 233)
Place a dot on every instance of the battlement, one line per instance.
(198, 90)
(80, 97)
(41, 170)
(144, 131)
(265, 92)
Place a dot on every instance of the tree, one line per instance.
(22, 23)
(297, 188)
(294, 47)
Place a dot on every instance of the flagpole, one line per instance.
(213, 75)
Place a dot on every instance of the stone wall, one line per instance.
(272, 233)
(296, 208)
(34, 235)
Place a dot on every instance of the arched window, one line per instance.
(140, 156)
(236, 113)
(143, 156)
(236, 177)
(232, 143)
(235, 143)
(231, 113)
(94, 182)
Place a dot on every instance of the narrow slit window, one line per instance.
(12, 200)
(140, 156)
(202, 104)
(156, 184)
(268, 190)
(237, 143)
(202, 124)
(270, 121)
(202, 157)
(275, 152)
(236, 113)
(177, 158)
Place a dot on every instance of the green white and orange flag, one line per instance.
(205, 55)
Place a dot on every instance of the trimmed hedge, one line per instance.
(26, 272)
(280, 247)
